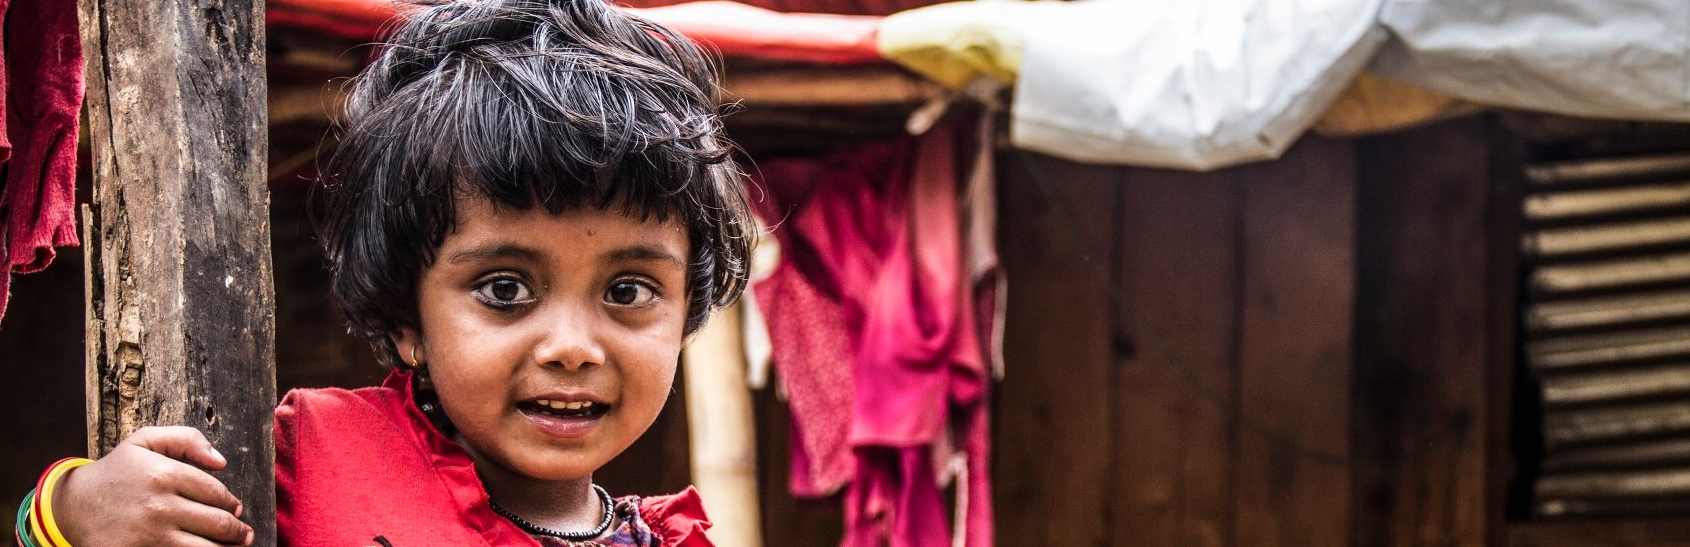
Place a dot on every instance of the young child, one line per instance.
(530, 209)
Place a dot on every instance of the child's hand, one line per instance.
(145, 493)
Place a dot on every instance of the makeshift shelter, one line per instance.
(1321, 349)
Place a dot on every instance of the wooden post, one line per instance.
(180, 300)
(724, 439)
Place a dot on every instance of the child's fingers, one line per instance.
(202, 488)
(179, 443)
(213, 524)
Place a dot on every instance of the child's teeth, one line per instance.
(563, 405)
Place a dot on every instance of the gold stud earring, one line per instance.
(415, 363)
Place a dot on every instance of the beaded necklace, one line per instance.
(531, 528)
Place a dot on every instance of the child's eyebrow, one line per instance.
(645, 253)
(494, 251)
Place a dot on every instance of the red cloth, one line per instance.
(874, 235)
(353, 465)
(732, 28)
(41, 75)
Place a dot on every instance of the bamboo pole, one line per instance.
(180, 302)
(1607, 311)
(1612, 273)
(1607, 201)
(874, 86)
(1561, 429)
(1586, 171)
(1605, 386)
(829, 86)
(723, 436)
(1655, 482)
(1609, 237)
(1598, 349)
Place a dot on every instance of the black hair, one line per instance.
(561, 104)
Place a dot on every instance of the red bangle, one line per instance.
(41, 508)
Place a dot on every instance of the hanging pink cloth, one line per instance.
(41, 75)
(872, 236)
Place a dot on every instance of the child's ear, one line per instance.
(409, 344)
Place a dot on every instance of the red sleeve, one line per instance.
(678, 519)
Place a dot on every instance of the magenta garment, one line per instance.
(872, 310)
(41, 79)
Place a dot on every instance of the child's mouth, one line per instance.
(563, 419)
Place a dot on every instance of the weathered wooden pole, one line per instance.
(180, 300)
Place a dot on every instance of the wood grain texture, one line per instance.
(1422, 386)
(1054, 426)
(1295, 348)
(1177, 386)
(176, 118)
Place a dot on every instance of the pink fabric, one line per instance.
(354, 465)
(873, 235)
(41, 75)
(5, 90)
(809, 345)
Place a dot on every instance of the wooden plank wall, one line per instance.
(1059, 348)
(1180, 260)
(1179, 372)
(1313, 351)
(1425, 329)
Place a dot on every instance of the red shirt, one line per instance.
(352, 466)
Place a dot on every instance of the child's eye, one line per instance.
(630, 293)
(504, 292)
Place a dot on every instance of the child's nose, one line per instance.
(571, 342)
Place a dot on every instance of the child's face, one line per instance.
(524, 307)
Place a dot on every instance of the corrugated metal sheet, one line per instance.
(1606, 321)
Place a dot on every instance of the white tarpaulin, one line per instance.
(1191, 84)
(1619, 59)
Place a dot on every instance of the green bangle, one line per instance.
(24, 537)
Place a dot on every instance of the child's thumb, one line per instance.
(180, 443)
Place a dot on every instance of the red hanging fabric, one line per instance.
(41, 75)
(875, 339)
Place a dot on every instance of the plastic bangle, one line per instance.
(23, 531)
(37, 528)
(45, 499)
(36, 534)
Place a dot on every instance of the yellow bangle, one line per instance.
(46, 500)
(36, 531)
